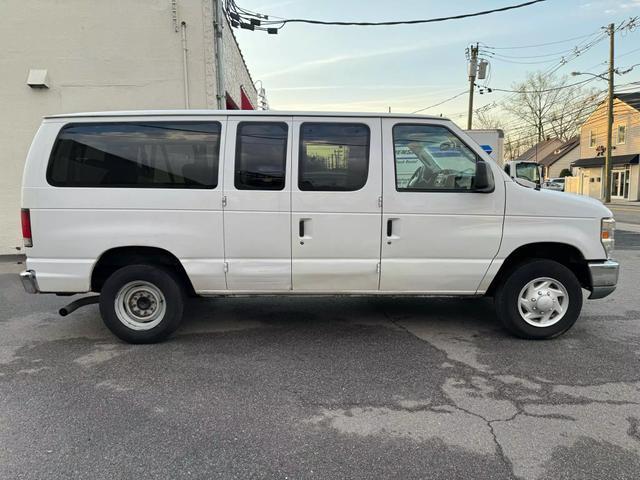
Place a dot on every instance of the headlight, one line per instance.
(607, 234)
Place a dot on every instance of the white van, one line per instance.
(146, 208)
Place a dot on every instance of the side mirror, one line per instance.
(483, 181)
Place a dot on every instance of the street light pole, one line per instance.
(608, 161)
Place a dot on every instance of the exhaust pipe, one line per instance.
(76, 304)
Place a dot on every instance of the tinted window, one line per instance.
(430, 157)
(261, 156)
(139, 155)
(333, 156)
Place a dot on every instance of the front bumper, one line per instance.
(29, 281)
(604, 278)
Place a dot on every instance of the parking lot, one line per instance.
(321, 388)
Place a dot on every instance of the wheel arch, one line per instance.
(114, 258)
(563, 253)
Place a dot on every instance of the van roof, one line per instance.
(257, 113)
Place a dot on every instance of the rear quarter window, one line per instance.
(136, 155)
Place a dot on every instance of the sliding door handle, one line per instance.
(301, 229)
(392, 230)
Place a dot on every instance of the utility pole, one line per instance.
(473, 69)
(608, 161)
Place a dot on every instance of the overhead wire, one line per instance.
(442, 102)
(255, 20)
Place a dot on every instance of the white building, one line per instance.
(88, 55)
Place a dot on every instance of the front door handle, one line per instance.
(392, 230)
(304, 230)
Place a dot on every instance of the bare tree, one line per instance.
(547, 106)
(570, 113)
(514, 146)
(484, 119)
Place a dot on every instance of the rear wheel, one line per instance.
(539, 299)
(142, 303)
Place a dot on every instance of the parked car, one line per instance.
(556, 184)
(146, 208)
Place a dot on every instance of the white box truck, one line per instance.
(491, 140)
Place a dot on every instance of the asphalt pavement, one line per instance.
(627, 212)
(293, 388)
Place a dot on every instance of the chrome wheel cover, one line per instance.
(543, 302)
(140, 305)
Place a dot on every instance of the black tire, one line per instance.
(508, 293)
(163, 280)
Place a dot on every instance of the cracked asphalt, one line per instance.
(321, 388)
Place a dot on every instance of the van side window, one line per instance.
(432, 158)
(333, 156)
(261, 155)
(136, 155)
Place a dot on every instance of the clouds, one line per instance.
(334, 59)
(613, 6)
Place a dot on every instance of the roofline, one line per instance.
(231, 113)
(244, 62)
(604, 102)
(626, 103)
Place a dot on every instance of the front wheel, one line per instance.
(539, 299)
(142, 303)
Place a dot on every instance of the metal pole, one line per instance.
(607, 160)
(473, 68)
(218, 48)
(185, 69)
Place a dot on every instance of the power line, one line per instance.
(627, 53)
(440, 103)
(535, 62)
(497, 54)
(577, 50)
(581, 114)
(246, 19)
(562, 87)
(542, 44)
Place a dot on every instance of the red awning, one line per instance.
(245, 102)
(231, 105)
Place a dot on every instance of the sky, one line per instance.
(409, 67)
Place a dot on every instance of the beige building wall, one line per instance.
(634, 183)
(564, 162)
(101, 55)
(597, 122)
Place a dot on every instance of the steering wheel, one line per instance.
(423, 177)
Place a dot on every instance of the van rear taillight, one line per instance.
(25, 217)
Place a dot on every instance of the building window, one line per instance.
(622, 134)
(261, 155)
(333, 156)
(592, 138)
(136, 155)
